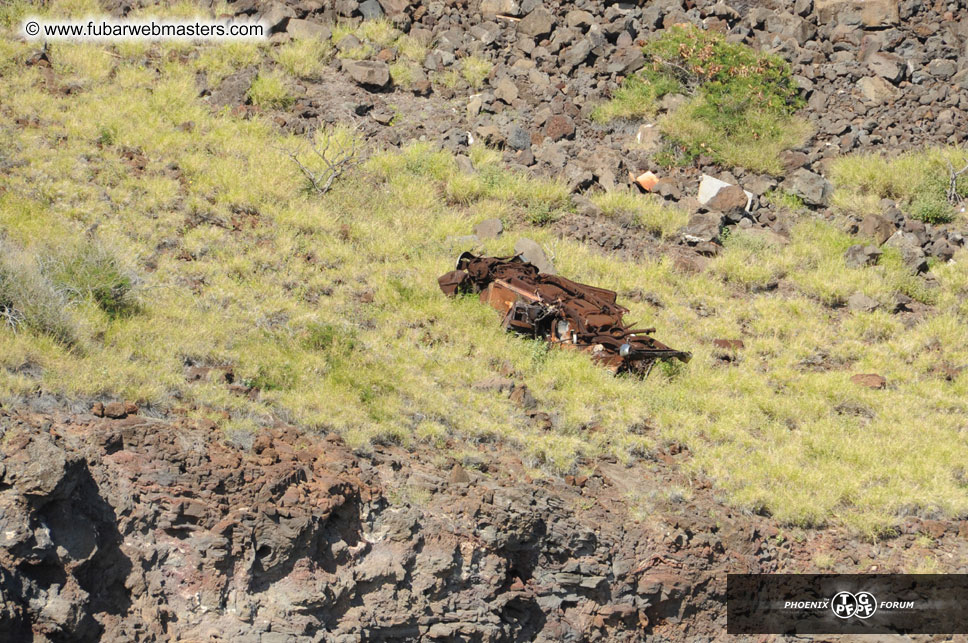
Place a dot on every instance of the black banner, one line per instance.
(847, 603)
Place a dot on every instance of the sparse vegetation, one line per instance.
(404, 73)
(474, 70)
(378, 34)
(328, 304)
(641, 210)
(926, 183)
(269, 90)
(638, 97)
(780, 198)
(304, 58)
(29, 302)
(740, 106)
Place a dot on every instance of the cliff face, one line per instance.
(137, 529)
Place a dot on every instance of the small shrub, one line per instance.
(474, 70)
(404, 73)
(541, 214)
(451, 79)
(733, 78)
(382, 32)
(29, 301)
(304, 58)
(411, 48)
(92, 271)
(269, 91)
(932, 208)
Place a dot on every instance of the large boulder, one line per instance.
(702, 228)
(368, 73)
(877, 90)
(911, 252)
(394, 7)
(489, 229)
(531, 252)
(307, 29)
(371, 10)
(276, 15)
(859, 255)
(876, 227)
(888, 66)
(871, 14)
(491, 8)
(790, 26)
(731, 200)
(811, 187)
(861, 303)
(537, 24)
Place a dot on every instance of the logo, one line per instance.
(862, 605)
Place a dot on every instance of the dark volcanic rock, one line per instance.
(369, 73)
(812, 188)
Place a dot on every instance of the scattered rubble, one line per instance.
(889, 75)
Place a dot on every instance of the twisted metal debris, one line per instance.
(563, 312)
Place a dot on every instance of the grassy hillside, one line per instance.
(145, 235)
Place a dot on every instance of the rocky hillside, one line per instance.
(203, 459)
(881, 76)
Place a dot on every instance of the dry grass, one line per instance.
(919, 180)
(329, 306)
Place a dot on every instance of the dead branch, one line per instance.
(336, 159)
(953, 181)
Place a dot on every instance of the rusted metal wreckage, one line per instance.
(563, 312)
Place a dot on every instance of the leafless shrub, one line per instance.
(953, 196)
(334, 152)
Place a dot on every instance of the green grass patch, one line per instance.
(270, 90)
(645, 211)
(780, 198)
(304, 58)
(919, 180)
(638, 97)
(474, 70)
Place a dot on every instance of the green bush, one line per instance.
(742, 101)
(732, 78)
(932, 208)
